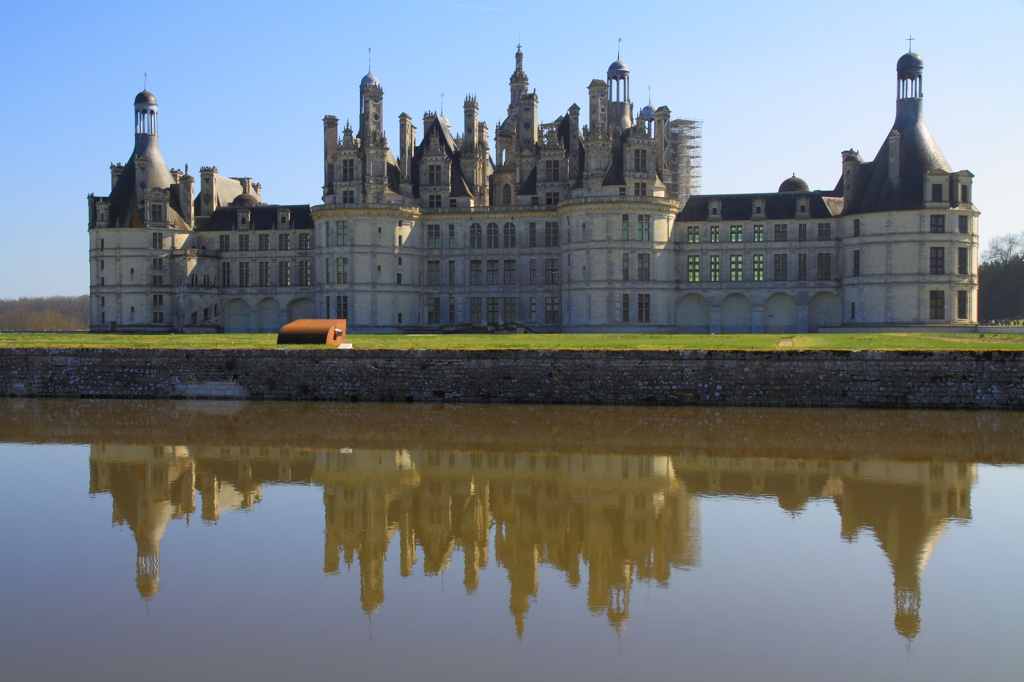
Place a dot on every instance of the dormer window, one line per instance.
(283, 218)
(156, 213)
(348, 170)
(936, 191)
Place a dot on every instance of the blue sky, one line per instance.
(781, 87)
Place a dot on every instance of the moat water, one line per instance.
(263, 541)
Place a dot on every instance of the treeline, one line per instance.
(1001, 290)
(55, 313)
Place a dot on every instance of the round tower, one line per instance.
(620, 109)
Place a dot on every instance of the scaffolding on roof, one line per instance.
(685, 148)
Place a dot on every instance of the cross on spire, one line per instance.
(910, 44)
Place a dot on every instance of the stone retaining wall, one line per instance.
(898, 379)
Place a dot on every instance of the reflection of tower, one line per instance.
(149, 486)
(907, 506)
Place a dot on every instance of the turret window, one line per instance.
(963, 224)
(936, 192)
(937, 260)
(936, 305)
(639, 160)
(553, 170)
(937, 224)
(434, 174)
(348, 170)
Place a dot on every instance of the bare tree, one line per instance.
(1004, 247)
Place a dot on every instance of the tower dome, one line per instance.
(793, 184)
(369, 79)
(145, 97)
(618, 69)
(909, 65)
(647, 113)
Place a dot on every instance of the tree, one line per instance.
(1004, 247)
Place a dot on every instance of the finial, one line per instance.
(910, 44)
(618, 53)
(648, 95)
(369, 60)
(145, 78)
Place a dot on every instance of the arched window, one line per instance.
(506, 194)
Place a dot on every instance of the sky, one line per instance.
(781, 87)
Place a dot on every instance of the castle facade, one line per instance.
(564, 226)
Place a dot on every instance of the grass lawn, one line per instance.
(762, 342)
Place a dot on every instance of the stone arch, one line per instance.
(693, 315)
(301, 309)
(737, 317)
(824, 310)
(269, 318)
(780, 314)
(236, 316)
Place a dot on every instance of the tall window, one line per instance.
(693, 268)
(493, 303)
(781, 232)
(736, 268)
(552, 170)
(451, 236)
(434, 174)
(625, 267)
(342, 310)
(348, 196)
(639, 160)
(506, 194)
(937, 223)
(551, 271)
(225, 274)
(640, 189)
(693, 234)
(714, 267)
(625, 307)
(284, 241)
(551, 233)
(643, 227)
(243, 242)
(305, 241)
(476, 236)
(937, 260)
(492, 236)
(758, 233)
(264, 273)
(348, 170)
(533, 271)
(856, 263)
(963, 224)
(936, 192)
(713, 234)
(305, 273)
(433, 236)
(433, 273)
(856, 227)
(643, 267)
(962, 267)
(824, 232)
(341, 267)
(341, 233)
(284, 273)
(476, 272)
(492, 272)
(451, 273)
(758, 267)
(508, 309)
(961, 305)
(781, 267)
(264, 242)
(158, 240)
(476, 310)
(735, 233)
(225, 242)
(509, 272)
(824, 262)
(936, 305)
(433, 201)
(533, 234)
(551, 314)
(433, 310)
(643, 307)
(801, 267)
(508, 236)
(243, 274)
(625, 228)
(801, 232)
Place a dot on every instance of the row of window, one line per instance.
(937, 305)
(242, 276)
(491, 310)
(736, 262)
(304, 242)
(737, 233)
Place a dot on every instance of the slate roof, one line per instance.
(777, 206)
(262, 217)
(459, 186)
(918, 154)
(123, 209)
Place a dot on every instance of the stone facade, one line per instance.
(906, 379)
(565, 227)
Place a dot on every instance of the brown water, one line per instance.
(194, 540)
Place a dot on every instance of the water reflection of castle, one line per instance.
(616, 519)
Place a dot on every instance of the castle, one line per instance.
(596, 227)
